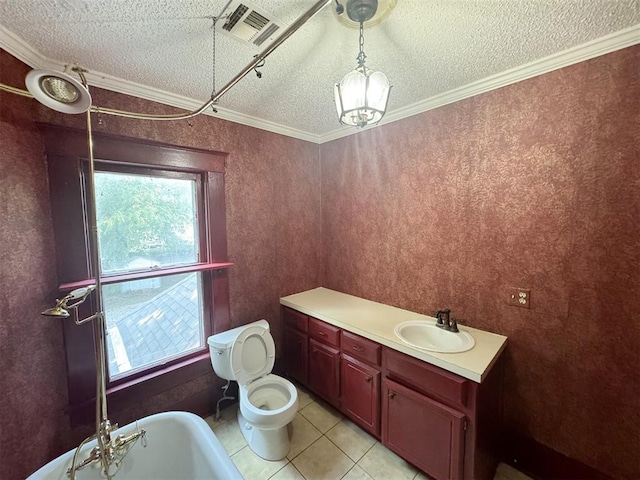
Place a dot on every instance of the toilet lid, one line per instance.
(252, 354)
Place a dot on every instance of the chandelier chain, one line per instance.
(361, 56)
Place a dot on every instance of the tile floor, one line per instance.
(325, 446)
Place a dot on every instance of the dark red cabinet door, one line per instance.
(295, 350)
(361, 394)
(325, 372)
(424, 432)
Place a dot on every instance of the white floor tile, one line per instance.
(230, 436)
(252, 467)
(322, 461)
(351, 439)
(382, 464)
(321, 415)
(303, 435)
(357, 473)
(305, 397)
(289, 472)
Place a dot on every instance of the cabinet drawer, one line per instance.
(295, 319)
(360, 347)
(324, 332)
(426, 378)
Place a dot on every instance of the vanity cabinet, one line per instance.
(446, 425)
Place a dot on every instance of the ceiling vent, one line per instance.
(249, 24)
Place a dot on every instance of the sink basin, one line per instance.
(426, 336)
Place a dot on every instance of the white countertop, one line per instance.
(377, 321)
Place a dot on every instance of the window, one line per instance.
(148, 221)
(162, 238)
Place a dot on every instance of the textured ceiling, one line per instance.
(426, 47)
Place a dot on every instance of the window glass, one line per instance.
(151, 321)
(145, 221)
(149, 222)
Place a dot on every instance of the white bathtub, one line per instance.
(180, 446)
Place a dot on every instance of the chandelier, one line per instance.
(362, 95)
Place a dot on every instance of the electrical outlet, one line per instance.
(520, 297)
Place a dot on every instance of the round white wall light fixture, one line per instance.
(58, 91)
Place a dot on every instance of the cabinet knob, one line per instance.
(322, 334)
(392, 394)
(368, 379)
(358, 348)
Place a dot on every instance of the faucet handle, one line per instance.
(453, 326)
(442, 317)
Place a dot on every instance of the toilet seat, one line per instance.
(252, 354)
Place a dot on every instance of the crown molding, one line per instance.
(595, 48)
(126, 87)
(18, 48)
(601, 46)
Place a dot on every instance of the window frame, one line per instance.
(67, 160)
(203, 256)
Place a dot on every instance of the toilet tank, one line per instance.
(221, 360)
(220, 349)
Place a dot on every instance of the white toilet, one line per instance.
(268, 403)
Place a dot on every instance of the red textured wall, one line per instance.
(33, 383)
(273, 230)
(534, 185)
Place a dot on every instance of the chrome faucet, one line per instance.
(443, 321)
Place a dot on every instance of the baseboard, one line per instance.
(541, 462)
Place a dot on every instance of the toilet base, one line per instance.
(270, 444)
